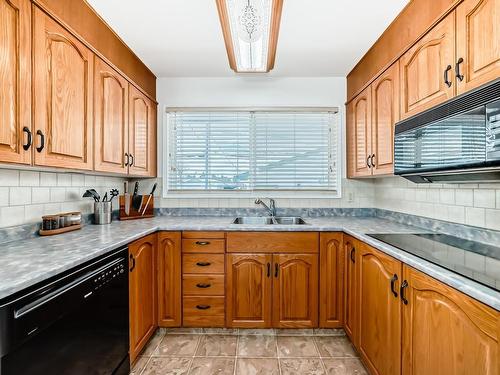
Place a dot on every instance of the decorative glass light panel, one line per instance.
(250, 30)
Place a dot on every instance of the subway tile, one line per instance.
(33, 213)
(475, 216)
(484, 198)
(40, 195)
(447, 196)
(90, 182)
(73, 194)
(48, 179)
(11, 215)
(464, 197)
(498, 198)
(4, 196)
(493, 219)
(57, 194)
(19, 196)
(28, 178)
(9, 177)
(63, 179)
(77, 179)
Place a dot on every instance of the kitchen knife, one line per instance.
(149, 199)
(127, 198)
(136, 199)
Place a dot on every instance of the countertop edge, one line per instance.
(480, 292)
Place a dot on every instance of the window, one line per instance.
(252, 151)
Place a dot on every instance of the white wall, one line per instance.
(255, 91)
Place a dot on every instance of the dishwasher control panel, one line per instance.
(109, 274)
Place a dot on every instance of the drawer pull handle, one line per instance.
(202, 307)
(202, 243)
(203, 264)
(203, 286)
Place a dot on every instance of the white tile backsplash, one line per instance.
(25, 196)
(472, 204)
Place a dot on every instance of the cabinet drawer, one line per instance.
(203, 263)
(203, 285)
(200, 234)
(203, 245)
(203, 311)
(272, 242)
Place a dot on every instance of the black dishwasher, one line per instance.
(76, 323)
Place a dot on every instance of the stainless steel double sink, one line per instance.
(269, 220)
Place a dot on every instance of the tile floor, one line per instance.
(248, 352)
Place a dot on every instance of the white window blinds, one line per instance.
(252, 150)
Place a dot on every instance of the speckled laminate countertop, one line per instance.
(28, 262)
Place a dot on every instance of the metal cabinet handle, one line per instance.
(404, 285)
(373, 161)
(203, 285)
(127, 159)
(268, 269)
(42, 141)
(202, 243)
(393, 284)
(368, 162)
(30, 138)
(203, 264)
(202, 307)
(276, 269)
(131, 160)
(446, 81)
(352, 253)
(459, 76)
(132, 259)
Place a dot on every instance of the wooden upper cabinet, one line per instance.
(380, 311)
(169, 279)
(359, 135)
(15, 80)
(142, 134)
(445, 331)
(351, 281)
(427, 69)
(110, 119)
(143, 293)
(295, 291)
(248, 290)
(63, 82)
(331, 284)
(478, 43)
(385, 114)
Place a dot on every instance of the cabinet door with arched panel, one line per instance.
(295, 290)
(248, 290)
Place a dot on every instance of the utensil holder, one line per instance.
(102, 213)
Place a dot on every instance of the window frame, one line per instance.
(250, 194)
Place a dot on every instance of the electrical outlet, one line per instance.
(350, 197)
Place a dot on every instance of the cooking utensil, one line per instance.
(96, 194)
(149, 199)
(113, 193)
(105, 199)
(91, 193)
(127, 198)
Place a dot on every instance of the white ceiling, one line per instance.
(183, 38)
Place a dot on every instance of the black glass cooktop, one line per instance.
(474, 260)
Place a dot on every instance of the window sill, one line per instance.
(251, 194)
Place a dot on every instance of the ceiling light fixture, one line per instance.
(250, 29)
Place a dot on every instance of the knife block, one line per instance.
(133, 212)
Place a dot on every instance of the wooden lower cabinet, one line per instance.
(248, 290)
(379, 311)
(169, 279)
(331, 280)
(351, 281)
(265, 290)
(445, 331)
(142, 292)
(295, 291)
